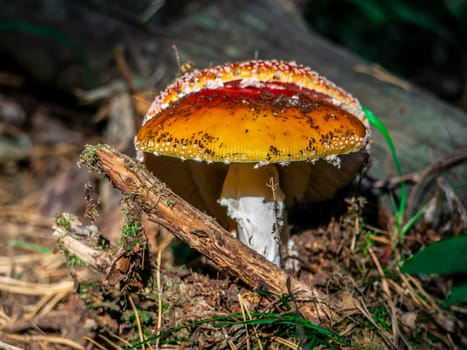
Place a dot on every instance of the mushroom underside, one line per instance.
(200, 183)
(300, 183)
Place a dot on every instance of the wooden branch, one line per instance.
(73, 237)
(202, 233)
(424, 178)
(447, 162)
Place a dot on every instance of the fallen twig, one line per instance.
(202, 233)
(421, 179)
(448, 161)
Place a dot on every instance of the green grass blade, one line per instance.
(290, 321)
(30, 246)
(379, 125)
(411, 222)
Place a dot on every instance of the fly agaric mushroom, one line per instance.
(248, 139)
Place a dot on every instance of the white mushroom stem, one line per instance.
(255, 201)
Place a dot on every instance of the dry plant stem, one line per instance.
(99, 346)
(5, 346)
(27, 338)
(424, 177)
(388, 298)
(448, 161)
(202, 233)
(138, 322)
(11, 285)
(120, 339)
(159, 299)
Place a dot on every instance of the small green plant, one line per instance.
(446, 257)
(144, 316)
(368, 242)
(131, 227)
(131, 236)
(74, 261)
(381, 317)
(88, 156)
(62, 221)
(85, 289)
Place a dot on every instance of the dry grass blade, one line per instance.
(138, 322)
(45, 305)
(159, 299)
(165, 242)
(387, 292)
(378, 72)
(52, 294)
(10, 213)
(46, 264)
(127, 343)
(286, 342)
(96, 344)
(110, 342)
(384, 281)
(231, 345)
(5, 320)
(7, 261)
(246, 313)
(414, 288)
(5, 346)
(12, 285)
(45, 338)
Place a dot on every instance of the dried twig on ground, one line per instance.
(423, 178)
(203, 233)
(448, 161)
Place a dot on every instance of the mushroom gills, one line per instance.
(255, 201)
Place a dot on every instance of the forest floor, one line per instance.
(51, 301)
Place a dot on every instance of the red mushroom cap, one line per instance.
(254, 111)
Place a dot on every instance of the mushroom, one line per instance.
(243, 141)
